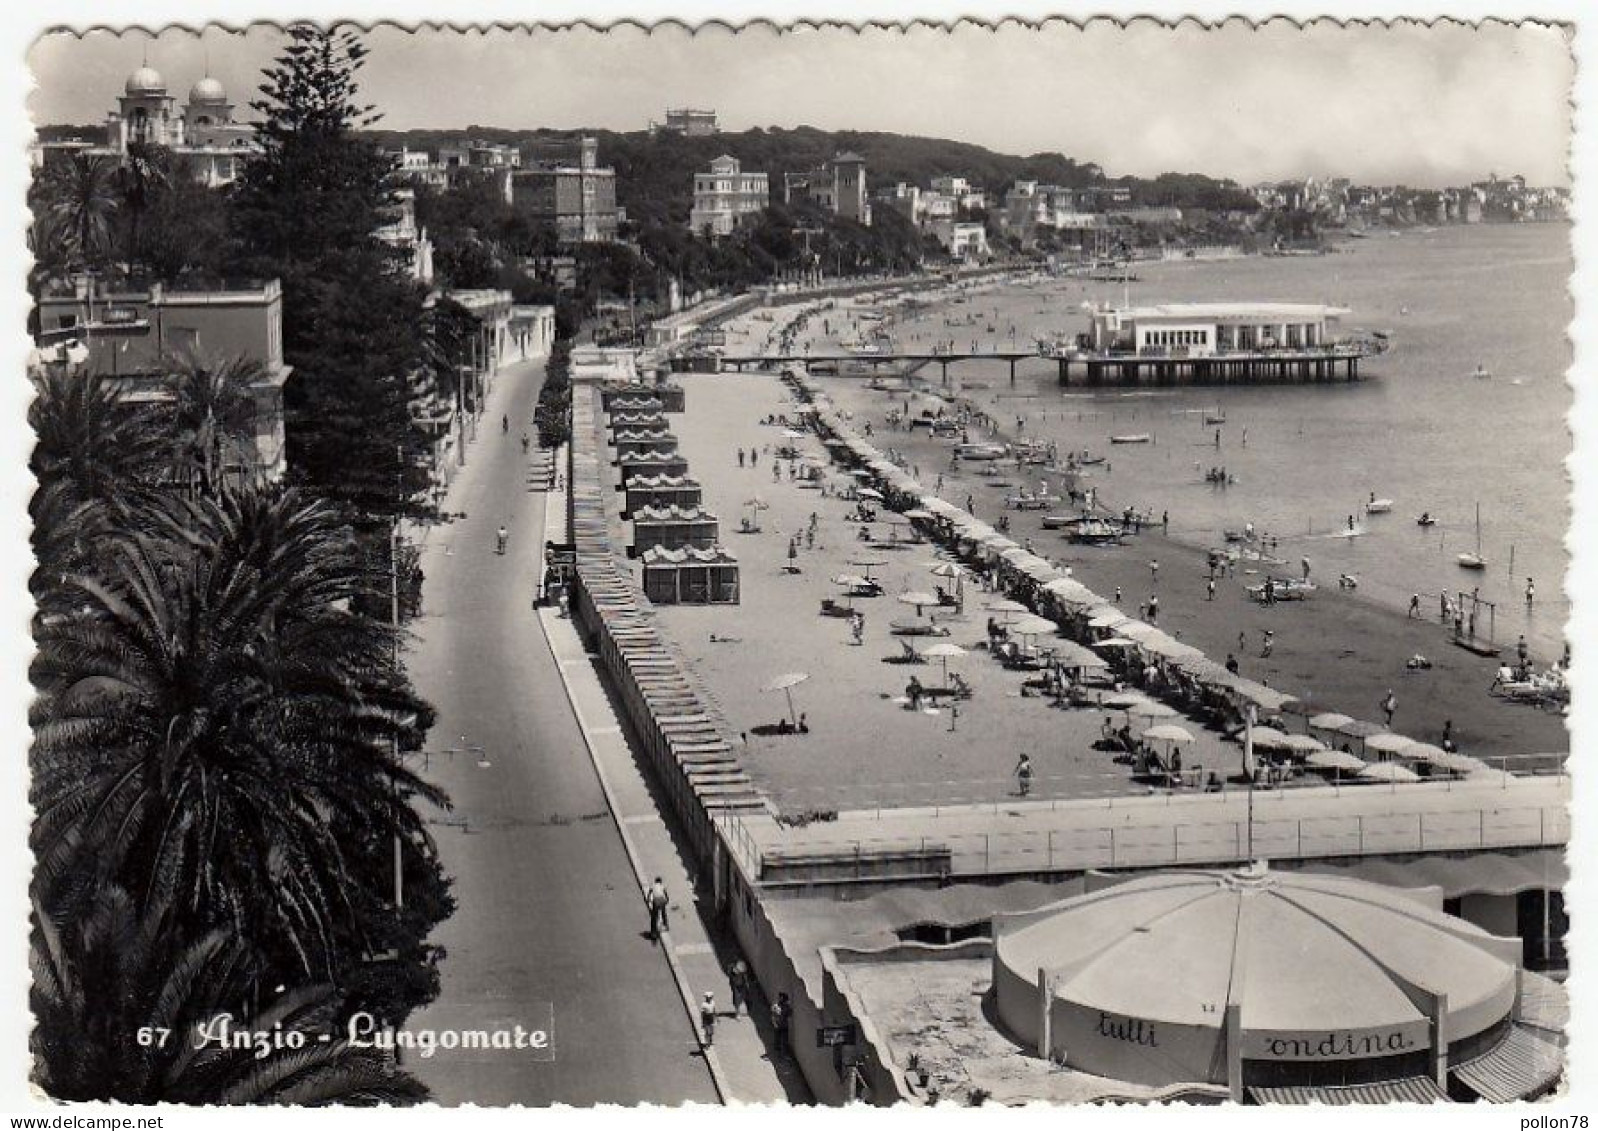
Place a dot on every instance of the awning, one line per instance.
(1408, 1090)
(1519, 1067)
(1480, 873)
(1544, 1004)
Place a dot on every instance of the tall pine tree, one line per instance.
(308, 211)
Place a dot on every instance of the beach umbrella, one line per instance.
(1034, 626)
(1388, 743)
(869, 493)
(919, 599)
(786, 684)
(1303, 744)
(1006, 606)
(757, 503)
(792, 435)
(1168, 732)
(947, 569)
(918, 513)
(1149, 709)
(1340, 760)
(1330, 720)
(1122, 700)
(1358, 728)
(868, 564)
(945, 652)
(1389, 772)
(860, 473)
(1268, 738)
(1108, 620)
(1425, 752)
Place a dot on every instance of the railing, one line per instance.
(1197, 843)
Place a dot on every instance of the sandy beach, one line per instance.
(1336, 651)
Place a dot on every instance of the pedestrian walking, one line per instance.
(1210, 589)
(781, 1022)
(1414, 605)
(1117, 594)
(1267, 643)
(810, 538)
(1304, 562)
(1531, 592)
(1154, 609)
(707, 1018)
(1165, 522)
(1231, 663)
(738, 984)
(857, 626)
(740, 457)
(1023, 775)
(657, 901)
(1520, 649)
(1242, 642)
(1389, 705)
(1154, 572)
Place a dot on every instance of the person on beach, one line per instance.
(1414, 605)
(754, 457)
(1231, 663)
(1154, 609)
(1447, 742)
(1154, 572)
(1531, 592)
(857, 626)
(1023, 775)
(781, 1020)
(1351, 524)
(1389, 705)
(1267, 644)
(1117, 594)
(1304, 563)
(1165, 522)
(740, 457)
(1521, 650)
(912, 691)
(1210, 588)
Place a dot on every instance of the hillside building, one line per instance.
(839, 186)
(687, 123)
(725, 195)
(578, 198)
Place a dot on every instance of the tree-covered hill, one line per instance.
(655, 174)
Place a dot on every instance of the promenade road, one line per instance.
(549, 913)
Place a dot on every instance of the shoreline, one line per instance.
(1370, 641)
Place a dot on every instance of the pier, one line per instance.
(1090, 367)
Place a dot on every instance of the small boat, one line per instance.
(1426, 520)
(1215, 418)
(1095, 532)
(1027, 501)
(1482, 372)
(1059, 521)
(1471, 561)
(1085, 460)
(1132, 438)
(981, 451)
(1378, 506)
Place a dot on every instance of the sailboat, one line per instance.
(1474, 561)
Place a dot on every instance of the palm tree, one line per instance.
(139, 181)
(78, 198)
(95, 458)
(216, 728)
(125, 1011)
(213, 413)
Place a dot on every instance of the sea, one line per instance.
(1420, 428)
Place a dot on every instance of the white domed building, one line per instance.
(1276, 985)
(204, 131)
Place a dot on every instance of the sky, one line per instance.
(1425, 106)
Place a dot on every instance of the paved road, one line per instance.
(549, 912)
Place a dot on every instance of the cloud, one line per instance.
(1407, 103)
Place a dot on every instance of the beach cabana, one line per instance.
(673, 527)
(689, 576)
(642, 443)
(674, 463)
(663, 491)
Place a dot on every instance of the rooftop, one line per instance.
(1222, 311)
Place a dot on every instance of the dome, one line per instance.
(1140, 976)
(146, 80)
(208, 90)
